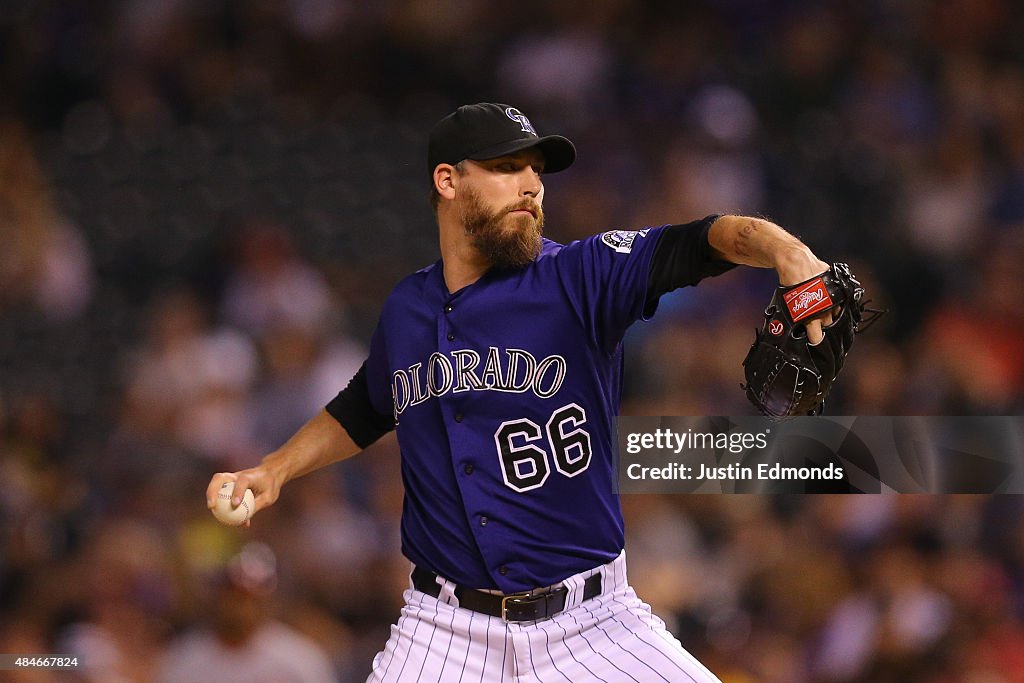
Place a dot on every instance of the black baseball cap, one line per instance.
(488, 130)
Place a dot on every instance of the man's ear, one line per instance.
(444, 180)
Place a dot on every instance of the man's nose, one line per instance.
(531, 184)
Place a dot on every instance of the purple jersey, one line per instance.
(504, 396)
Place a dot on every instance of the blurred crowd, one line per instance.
(204, 204)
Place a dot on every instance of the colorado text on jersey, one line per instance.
(518, 371)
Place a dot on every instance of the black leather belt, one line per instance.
(515, 607)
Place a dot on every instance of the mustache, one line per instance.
(479, 222)
(525, 205)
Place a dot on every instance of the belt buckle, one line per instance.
(506, 598)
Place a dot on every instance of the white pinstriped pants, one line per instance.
(613, 638)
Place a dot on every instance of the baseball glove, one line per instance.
(787, 375)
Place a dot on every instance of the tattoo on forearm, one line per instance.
(744, 246)
(743, 239)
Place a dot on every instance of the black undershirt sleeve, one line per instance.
(683, 257)
(354, 411)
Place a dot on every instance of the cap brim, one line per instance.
(559, 152)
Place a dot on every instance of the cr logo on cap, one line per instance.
(520, 118)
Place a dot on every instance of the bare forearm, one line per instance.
(318, 443)
(762, 244)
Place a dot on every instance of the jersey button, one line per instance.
(448, 308)
(468, 469)
(483, 521)
(503, 570)
(458, 417)
(451, 337)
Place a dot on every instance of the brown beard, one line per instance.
(505, 240)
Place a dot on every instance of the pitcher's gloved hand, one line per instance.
(786, 374)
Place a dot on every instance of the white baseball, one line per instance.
(233, 516)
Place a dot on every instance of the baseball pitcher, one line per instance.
(500, 368)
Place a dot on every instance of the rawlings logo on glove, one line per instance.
(808, 299)
(787, 375)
